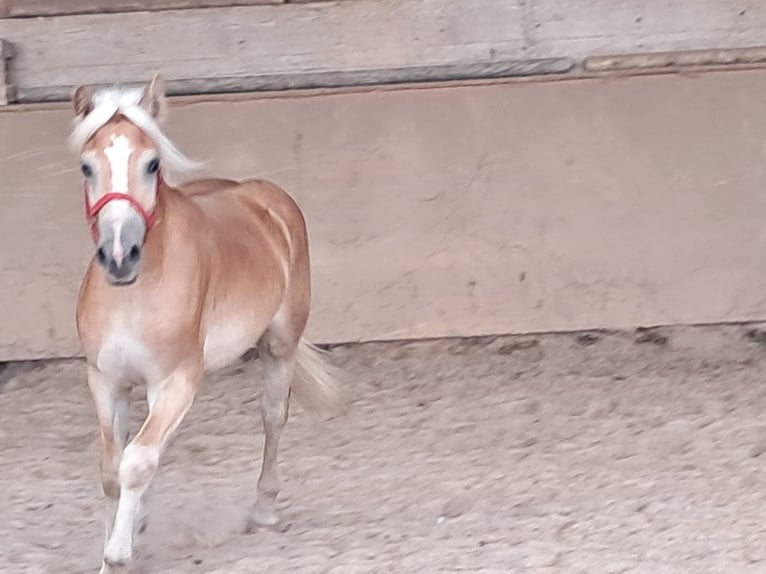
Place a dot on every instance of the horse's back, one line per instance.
(206, 186)
(251, 192)
(224, 199)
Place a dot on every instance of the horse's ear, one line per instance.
(82, 101)
(154, 100)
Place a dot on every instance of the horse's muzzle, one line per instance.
(121, 263)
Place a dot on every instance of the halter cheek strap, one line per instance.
(92, 211)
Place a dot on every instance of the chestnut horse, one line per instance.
(184, 280)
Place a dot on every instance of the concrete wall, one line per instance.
(464, 210)
(247, 47)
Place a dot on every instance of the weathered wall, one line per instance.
(505, 207)
(244, 47)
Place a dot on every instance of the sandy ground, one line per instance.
(602, 453)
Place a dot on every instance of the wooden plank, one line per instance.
(346, 37)
(36, 8)
(253, 45)
(299, 81)
(606, 27)
(506, 207)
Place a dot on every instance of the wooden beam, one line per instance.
(36, 8)
(660, 60)
(311, 80)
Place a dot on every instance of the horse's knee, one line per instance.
(138, 465)
(110, 483)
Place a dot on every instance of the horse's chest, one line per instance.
(124, 355)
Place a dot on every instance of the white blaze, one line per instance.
(117, 251)
(118, 154)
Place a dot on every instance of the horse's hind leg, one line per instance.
(277, 350)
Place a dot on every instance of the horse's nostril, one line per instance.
(135, 253)
(101, 255)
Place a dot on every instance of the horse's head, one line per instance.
(121, 166)
(123, 154)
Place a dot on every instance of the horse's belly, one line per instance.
(227, 340)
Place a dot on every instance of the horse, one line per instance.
(185, 278)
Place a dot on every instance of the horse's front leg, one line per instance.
(111, 400)
(172, 400)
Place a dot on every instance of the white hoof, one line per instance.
(110, 568)
(264, 516)
(117, 554)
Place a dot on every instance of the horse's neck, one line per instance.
(172, 236)
(174, 212)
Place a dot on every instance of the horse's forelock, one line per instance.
(111, 102)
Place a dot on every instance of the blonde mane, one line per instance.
(110, 102)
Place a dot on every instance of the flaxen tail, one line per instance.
(317, 384)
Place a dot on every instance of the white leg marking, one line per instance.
(137, 468)
(141, 458)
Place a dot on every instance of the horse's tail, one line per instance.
(317, 385)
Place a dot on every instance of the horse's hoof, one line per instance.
(113, 568)
(116, 558)
(265, 518)
(112, 564)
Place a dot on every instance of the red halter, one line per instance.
(92, 211)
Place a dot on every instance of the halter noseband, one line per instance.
(92, 211)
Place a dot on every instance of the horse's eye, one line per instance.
(86, 170)
(153, 166)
